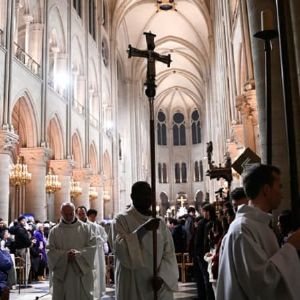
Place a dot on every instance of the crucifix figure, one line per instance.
(150, 92)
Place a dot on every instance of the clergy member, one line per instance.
(71, 254)
(132, 243)
(252, 266)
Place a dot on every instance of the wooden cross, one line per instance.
(150, 92)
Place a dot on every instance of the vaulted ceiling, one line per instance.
(183, 32)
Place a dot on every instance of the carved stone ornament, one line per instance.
(8, 140)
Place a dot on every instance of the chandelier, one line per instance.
(75, 190)
(165, 4)
(93, 194)
(52, 184)
(19, 174)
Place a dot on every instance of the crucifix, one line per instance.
(150, 92)
(181, 200)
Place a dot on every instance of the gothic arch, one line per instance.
(77, 151)
(24, 120)
(93, 158)
(55, 137)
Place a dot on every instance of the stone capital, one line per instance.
(8, 140)
(38, 155)
(246, 105)
(83, 174)
(62, 167)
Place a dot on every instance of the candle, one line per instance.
(267, 20)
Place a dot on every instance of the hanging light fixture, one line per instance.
(93, 194)
(165, 4)
(19, 174)
(52, 183)
(75, 190)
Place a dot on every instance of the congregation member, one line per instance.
(6, 264)
(133, 249)
(71, 253)
(238, 197)
(252, 266)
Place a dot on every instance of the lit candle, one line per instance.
(267, 20)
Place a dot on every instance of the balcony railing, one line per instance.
(78, 107)
(27, 60)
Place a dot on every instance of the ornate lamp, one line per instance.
(165, 4)
(106, 195)
(93, 194)
(75, 190)
(19, 174)
(52, 183)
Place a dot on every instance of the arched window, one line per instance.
(92, 18)
(161, 129)
(178, 130)
(159, 173)
(196, 166)
(196, 130)
(201, 170)
(164, 173)
(177, 173)
(77, 6)
(183, 172)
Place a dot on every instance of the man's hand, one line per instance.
(151, 224)
(157, 283)
(294, 239)
(71, 255)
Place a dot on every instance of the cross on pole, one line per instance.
(150, 92)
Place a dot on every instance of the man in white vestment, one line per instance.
(252, 266)
(89, 217)
(71, 254)
(133, 249)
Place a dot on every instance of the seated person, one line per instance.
(5, 265)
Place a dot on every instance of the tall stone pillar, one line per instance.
(84, 177)
(62, 168)
(279, 140)
(8, 141)
(36, 159)
(36, 44)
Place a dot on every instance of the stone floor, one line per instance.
(39, 290)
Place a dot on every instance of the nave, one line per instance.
(39, 290)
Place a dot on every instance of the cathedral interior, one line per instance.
(75, 118)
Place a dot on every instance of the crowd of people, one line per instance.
(236, 250)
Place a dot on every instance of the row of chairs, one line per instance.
(184, 262)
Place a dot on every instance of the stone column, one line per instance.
(35, 202)
(279, 140)
(27, 19)
(84, 177)
(62, 168)
(36, 42)
(98, 202)
(8, 140)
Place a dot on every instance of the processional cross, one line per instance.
(150, 92)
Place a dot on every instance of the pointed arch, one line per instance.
(93, 158)
(77, 150)
(24, 120)
(55, 137)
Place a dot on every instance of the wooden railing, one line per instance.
(27, 60)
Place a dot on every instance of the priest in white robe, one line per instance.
(71, 253)
(252, 266)
(132, 245)
(100, 269)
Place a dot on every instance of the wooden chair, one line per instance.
(179, 259)
(110, 266)
(187, 263)
(21, 271)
